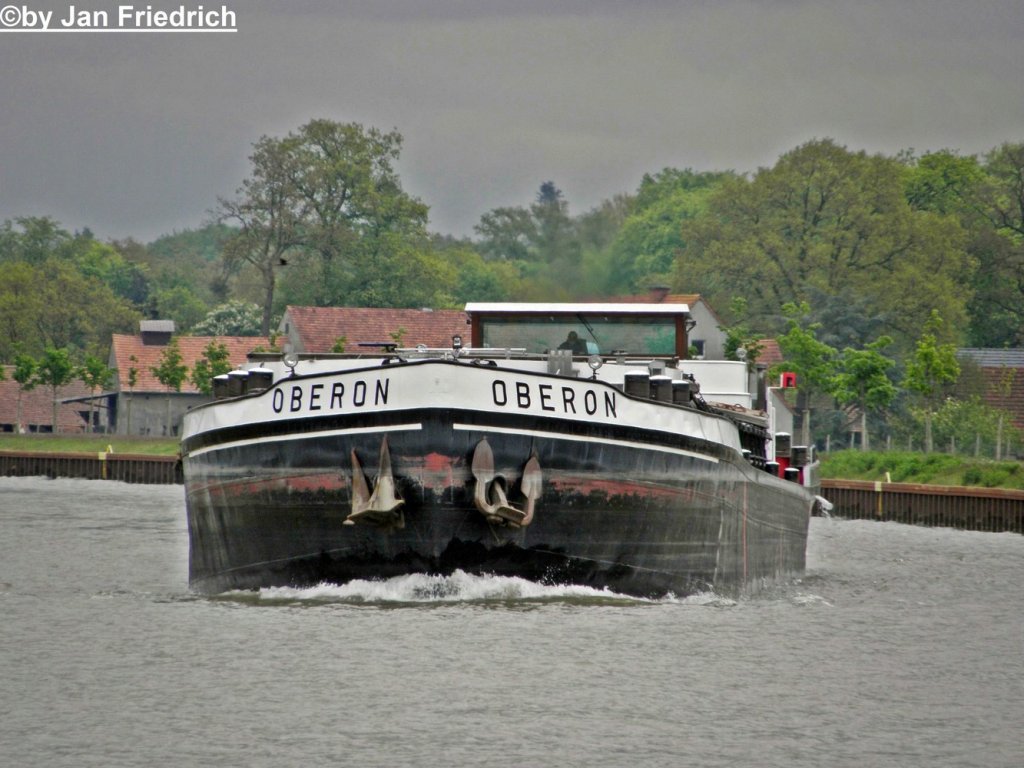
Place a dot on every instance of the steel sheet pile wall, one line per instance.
(128, 468)
(968, 508)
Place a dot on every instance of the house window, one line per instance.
(697, 347)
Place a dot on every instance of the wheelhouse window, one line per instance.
(583, 334)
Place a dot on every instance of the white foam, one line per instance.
(422, 588)
(808, 599)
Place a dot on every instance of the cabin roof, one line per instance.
(555, 308)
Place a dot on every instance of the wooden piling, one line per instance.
(965, 507)
(126, 467)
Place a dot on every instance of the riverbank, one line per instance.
(923, 469)
(88, 444)
(875, 466)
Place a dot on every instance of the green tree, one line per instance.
(53, 304)
(31, 239)
(811, 360)
(235, 318)
(55, 370)
(645, 249)
(105, 263)
(95, 374)
(825, 220)
(1003, 390)
(25, 374)
(81, 312)
(21, 302)
(969, 425)
(268, 214)
(557, 239)
(741, 343)
(543, 242)
(943, 182)
(930, 372)
(171, 372)
(862, 380)
(597, 230)
(180, 304)
(214, 362)
(356, 215)
(997, 229)
(507, 234)
(470, 277)
(37, 240)
(191, 257)
(133, 380)
(326, 202)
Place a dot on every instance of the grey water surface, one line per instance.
(900, 646)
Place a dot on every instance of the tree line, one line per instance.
(872, 247)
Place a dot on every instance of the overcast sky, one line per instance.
(138, 134)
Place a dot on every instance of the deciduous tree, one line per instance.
(235, 318)
(95, 374)
(826, 220)
(930, 371)
(998, 244)
(171, 372)
(214, 362)
(25, 374)
(326, 201)
(811, 360)
(55, 369)
(862, 379)
(268, 213)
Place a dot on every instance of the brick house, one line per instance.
(1000, 378)
(37, 406)
(142, 408)
(319, 329)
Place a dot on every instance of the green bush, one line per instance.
(925, 468)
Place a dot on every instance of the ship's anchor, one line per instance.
(383, 507)
(489, 493)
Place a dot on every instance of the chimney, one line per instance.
(156, 333)
(658, 293)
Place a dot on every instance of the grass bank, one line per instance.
(925, 468)
(901, 466)
(89, 444)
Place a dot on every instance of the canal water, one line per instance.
(901, 646)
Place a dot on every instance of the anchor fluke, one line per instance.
(530, 485)
(382, 507)
(489, 492)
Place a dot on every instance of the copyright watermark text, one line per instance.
(124, 18)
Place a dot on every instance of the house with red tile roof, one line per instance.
(770, 353)
(1002, 378)
(36, 412)
(311, 330)
(146, 407)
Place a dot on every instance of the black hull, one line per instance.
(618, 508)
